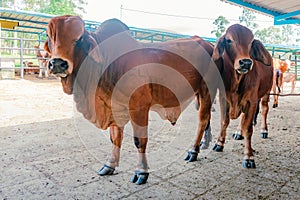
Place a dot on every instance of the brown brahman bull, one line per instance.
(42, 58)
(289, 77)
(247, 74)
(115, 79)
(280, 67)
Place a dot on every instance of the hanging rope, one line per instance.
(294, 94)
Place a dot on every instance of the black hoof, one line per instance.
(106, 170)
(237, 136)
(218, 148)
(264, 135)
(249, 163)
(140, 177)
(275, 105)
(191, 156)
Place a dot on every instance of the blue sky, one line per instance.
(199, 14)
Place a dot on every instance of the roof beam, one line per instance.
(287, 18)
(24, 20)
(279, 18)
(33, 27)
(21, 31)
(254, 7)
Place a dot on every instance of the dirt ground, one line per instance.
(48, 151)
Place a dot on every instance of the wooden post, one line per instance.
(21, 58)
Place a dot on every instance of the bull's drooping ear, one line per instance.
(46, 47)
(92, 48)
(260, 53)
(219, 48)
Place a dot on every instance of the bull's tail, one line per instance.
(277, 80)
(197, 103)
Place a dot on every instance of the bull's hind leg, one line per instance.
(116, 137)
(207, 137)
(224, 111)
(140, 140)
(139, 106)
(139, 121)
(274, 89)
(293, 81)
(204, 115)
(256, 113)
(238, 133)
(45, 69)
(264, 115)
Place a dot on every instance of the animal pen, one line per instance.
(45, 154)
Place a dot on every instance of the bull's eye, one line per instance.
(228, 41)
(79, 40)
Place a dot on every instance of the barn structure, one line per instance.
(35, 23)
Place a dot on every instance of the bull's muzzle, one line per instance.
(58, 66)
(245, 66)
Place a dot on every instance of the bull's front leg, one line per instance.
(224, 111)
(116, 137)
(247, 130)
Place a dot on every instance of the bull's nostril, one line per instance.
(64, 65)
(245, 63)
(241, 63)
(57, 65)
(50, 65)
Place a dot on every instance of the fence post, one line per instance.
(296, 70)
(21, 58)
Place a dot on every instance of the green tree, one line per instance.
(297, 31)
(59, 7)
(270, 35)
(55, 7)
(220, 26)
(248, 19)
(287, 34)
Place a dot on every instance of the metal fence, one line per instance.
(15, 58)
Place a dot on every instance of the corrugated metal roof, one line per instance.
(283, 11)
(33, 22)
